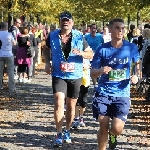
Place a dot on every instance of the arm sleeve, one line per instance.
(85, 44)
(38, 40)
(102, 39)
(14, 33)
(34, 41)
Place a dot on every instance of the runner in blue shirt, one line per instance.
(112, 62)
(94, 40)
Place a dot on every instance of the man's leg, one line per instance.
(77, 111)
(117, 126)
(14, 51)
(102, 135)
(83, 103)
(116, 129)
(1, 72)
(59, 110)
(94, 83)
(73, 88)
(76, 123)
(10, 70)
(59, 89)
(101, 111)
(120, 109)
(70, 111)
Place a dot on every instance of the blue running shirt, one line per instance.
(117, 82)
(94, 42)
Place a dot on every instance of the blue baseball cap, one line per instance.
(66, 15)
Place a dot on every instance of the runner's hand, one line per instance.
(134, 79)
(48, 68)
(77, 52)
(105, 70)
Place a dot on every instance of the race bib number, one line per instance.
(67, 67)
(117, 75)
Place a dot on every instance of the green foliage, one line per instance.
(82, 10)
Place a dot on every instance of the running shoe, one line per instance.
(82, 124)
(76, 124)
(58, 141)
(112, 141)
(66, 136)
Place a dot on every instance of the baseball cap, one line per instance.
(66, 15)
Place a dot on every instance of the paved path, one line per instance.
(26, 121)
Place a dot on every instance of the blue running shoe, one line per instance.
(76, 124)
(66, 136)
(58, 141)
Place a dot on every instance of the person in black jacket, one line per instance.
(14, 29)
(130, 34)
(33, 43)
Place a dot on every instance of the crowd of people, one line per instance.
(111, 58)
(20, 48)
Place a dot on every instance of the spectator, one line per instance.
(22, 60)
(130, 35)
(6, 56)
(14, 29)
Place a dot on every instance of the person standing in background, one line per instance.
(14, 29)
(94, 40)
(6, 56)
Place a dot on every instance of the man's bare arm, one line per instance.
(87, 53)
(47, 55)
(138, 67)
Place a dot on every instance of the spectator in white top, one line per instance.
(106, 34)
(6, 56)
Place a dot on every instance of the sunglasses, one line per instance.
(19, 22)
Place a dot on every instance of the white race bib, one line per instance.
(67, 67)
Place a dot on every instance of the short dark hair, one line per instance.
(106, 26)
(24, 30)
(111, 22)
(93, 24)
(15, 20)
(132, 27)
(4, 25)
(147, 26)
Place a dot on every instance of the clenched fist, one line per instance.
(134, 79)
(105, 70)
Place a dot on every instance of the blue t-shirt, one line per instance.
(94, 42)
(119, 59)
